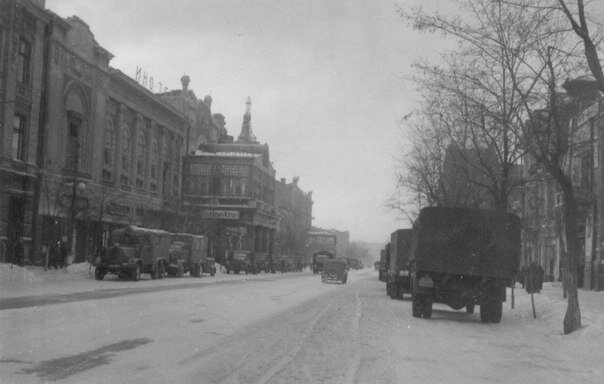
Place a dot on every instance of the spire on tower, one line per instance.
(247, 135)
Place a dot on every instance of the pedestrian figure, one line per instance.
(522, 276)
(534, 278)
(53, 255)
(18, 253)
(63, 253)
(540, 274)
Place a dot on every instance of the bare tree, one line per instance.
(99, 201)
(520, 50)
(579, 23)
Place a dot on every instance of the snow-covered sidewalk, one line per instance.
(25, 281)
(551, 307)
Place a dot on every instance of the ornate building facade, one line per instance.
(540, 207)
(229, 194)
(92, 149)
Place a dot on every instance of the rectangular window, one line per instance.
(24, 62)
(18, 139)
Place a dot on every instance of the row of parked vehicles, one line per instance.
(159, 253)
(136, 251)
(255, 262)
(460, 257)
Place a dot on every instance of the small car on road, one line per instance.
(334, 270)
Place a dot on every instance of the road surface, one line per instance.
(282, 328)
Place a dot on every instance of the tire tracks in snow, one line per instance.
(293, 352)
(242, 356)
(355, 362)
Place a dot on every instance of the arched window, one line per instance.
(154, 164)
(166, 170)
(126, 153)
(177, 167)
(140, 161)
(78, 132)
(108, 149)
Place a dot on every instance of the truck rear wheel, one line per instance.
(400, 292)
(491, 311)
(416, 306)
(496, 311)
(427, 307)
(160, 270)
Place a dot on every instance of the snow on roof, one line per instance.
(227, 154)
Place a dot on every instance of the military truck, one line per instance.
(463, 257)
(135, 250)
(189, 253)
(319, 258)
(335, 270)
(384, 262)
(398, 279)
(241, 261)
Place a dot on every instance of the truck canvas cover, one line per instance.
(400, 245)
(467, 241)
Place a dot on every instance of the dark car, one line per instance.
(241, 261)
(335, 270)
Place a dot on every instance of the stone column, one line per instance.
(160, 165)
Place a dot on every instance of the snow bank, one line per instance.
(33, 279)
(550, 307)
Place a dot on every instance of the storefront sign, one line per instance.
(220, 214)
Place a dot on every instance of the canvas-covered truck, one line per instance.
(241, 260)
(319, 258)
(192, 251)
(463, 257)
(398, 279)
(135, 250)
(384, 262)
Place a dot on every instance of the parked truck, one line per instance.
(135, 250)
(384, 262)
(463, 257)
(189, 253)
(398, 279)
(319, 258)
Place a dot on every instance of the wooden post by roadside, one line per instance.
(513, 286)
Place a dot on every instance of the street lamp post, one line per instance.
(75, 188)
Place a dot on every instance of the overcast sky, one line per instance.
(326, 79)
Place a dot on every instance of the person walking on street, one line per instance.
(53, 255)
(63, 253)
(18, 253)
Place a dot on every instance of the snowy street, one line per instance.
(285, 328)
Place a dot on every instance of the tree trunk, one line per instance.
(572, 319)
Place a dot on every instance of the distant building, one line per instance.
(229, 193)
(204, 127)
(295, 216)
(541, 204)
(342, 239)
